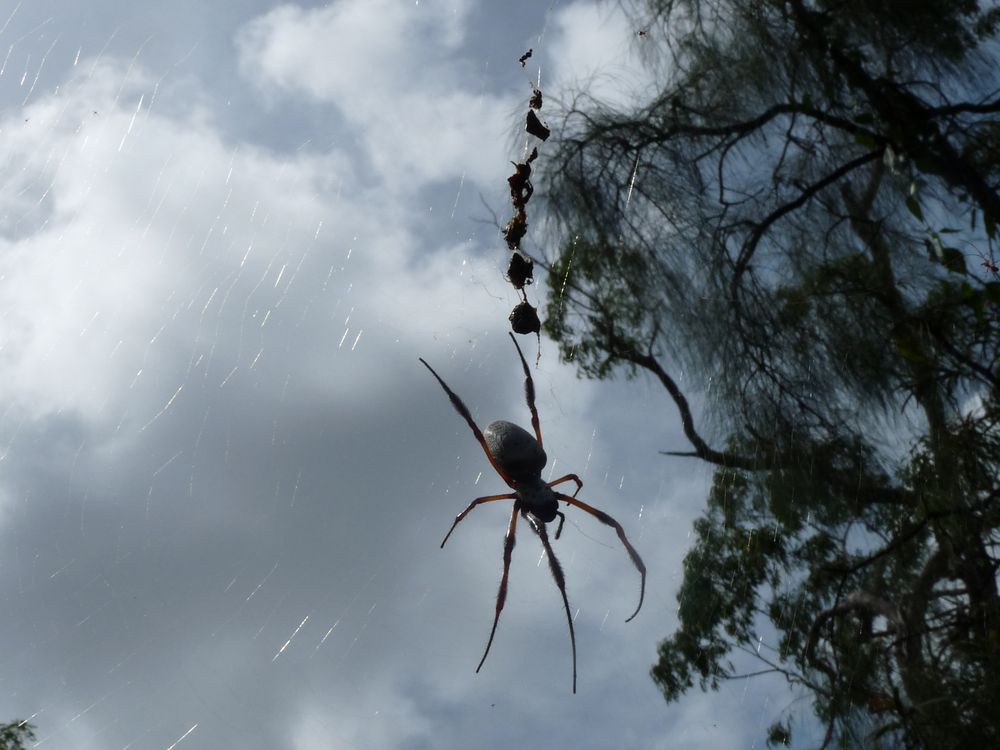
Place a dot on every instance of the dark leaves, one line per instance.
(514, 232)
(535, 127)
(524, 319)
(520, 271)
(520, 182)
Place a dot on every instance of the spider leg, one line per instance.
(562, 520)
(603, 517)
(462, 409)
(473, 504)
(557, 573)
(568, 478)
(508, 549)
(529, 391)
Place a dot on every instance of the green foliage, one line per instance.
(14, 735)
(944, 29)
(626, 303)
(792, 244)
(779, 734)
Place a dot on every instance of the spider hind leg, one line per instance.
(560, 578)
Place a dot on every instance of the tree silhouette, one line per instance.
(801, 218)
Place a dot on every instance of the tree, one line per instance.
(14, 735)
(802, 218)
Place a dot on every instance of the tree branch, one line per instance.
(702, 449)
(858, 600)
(748, 249)
(910, 122)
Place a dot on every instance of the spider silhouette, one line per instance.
(519, 459)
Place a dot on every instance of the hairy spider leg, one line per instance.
(462, 409)
(473, 504)
(529, 391)
(603, 517)
(508, 549)
(557, 573)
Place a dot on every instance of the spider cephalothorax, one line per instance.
(518, 457)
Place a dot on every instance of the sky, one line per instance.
(228, 231)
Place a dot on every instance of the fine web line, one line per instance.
(631, 184)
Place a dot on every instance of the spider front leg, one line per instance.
(508, 550)
(463, 410)
(603, 517)
(529, 391)
(473, 504)
(557, 574)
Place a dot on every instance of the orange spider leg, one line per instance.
(603, 517)
(568, 478)
(560, 480)
(473, 504)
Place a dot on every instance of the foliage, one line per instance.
(14, 735)
(802, 218)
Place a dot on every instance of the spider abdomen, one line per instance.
(516, 450)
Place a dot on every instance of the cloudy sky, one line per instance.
(227, 232)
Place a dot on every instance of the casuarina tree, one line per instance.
(801, 217)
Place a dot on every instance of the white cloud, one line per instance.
(132, 210)
(369, 713)
(347, 50)
(393, 70)
(130, 236)
(595, 47)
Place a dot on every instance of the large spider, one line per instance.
(519, 459)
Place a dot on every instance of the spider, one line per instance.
(519, 459)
